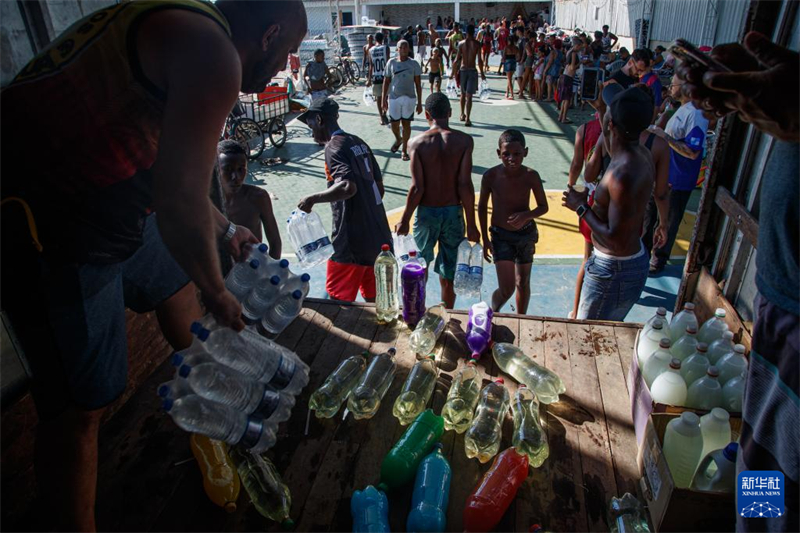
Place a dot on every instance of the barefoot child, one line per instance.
(437, 69)
(511, 239)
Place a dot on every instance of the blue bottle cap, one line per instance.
(184, 370)
(163, 390)
(196, 327)
(305, 277)
(263, 248)
(730, 451)
(203, 334)
(284, 263)
(177, 359)
(297, 295)
(275, 280)
(254, 263)
(167, 404)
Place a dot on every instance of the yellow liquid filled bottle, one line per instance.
(416, 392)
(220, 480)
(462, 398)
(267, 491)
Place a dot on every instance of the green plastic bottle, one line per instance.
(416, 392)
(462, 398)
(529, 438)
(264, 485)
(327, 399)
(400, 464)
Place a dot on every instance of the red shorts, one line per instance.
(344, 281)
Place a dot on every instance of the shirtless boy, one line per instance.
(246, 205)
(511, 239)
(436, 66)
(468, 53)
(441, 192)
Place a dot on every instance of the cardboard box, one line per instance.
(676, 509)
(642, 404)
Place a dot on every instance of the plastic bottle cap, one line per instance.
(177, 359)
(383, 487)
(263, 249)
(658, 324)
(195, 327)
(230, 507)
(701, 347)
(284, 263)
(297, 294)
(501, 381)
(728, 335)
(690, 418)
(472, 361)
(438, 446)
(720, 313)
(713, 371)
(384, 247)
(534, 528)
(203, 334)
(412, 253)
(275, 280)
(167, 404)
(720, 414)
(731, 451)
(254, 263)
(692, 330)
(431, 356)
(523, 386)
(184, 371)
(664, 343)
(163, 391)
(287, 524)
(305, 278)
(689, 306)
(675, 363)
(391, 351)
(661, 311)
(739, 348)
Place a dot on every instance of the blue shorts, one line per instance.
(70, 320)
(442, 227)
(612, 286)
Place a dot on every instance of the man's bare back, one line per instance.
(469, 50)
(511, 194)
(438, 154)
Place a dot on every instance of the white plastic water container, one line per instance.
(475, 280)
(311, 243)
(720, 478)
(681, 321)
(661, 314)
(720, 347)
(686, 345)
(242, 278)
(657, 363)
(732, 365)
(716, 429)
(403, 244)
(669, 387)
(733, 393)
(713, 328)
(696, 365)
(683, 445)
(649, 340)
(706, 392)
(461, 281)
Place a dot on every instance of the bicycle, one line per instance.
(246, 131)
(348, 69)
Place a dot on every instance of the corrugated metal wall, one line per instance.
(591, 15)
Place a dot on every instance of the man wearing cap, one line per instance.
(355, 192)
(616, 272)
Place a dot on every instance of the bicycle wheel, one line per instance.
(276, 130)
(337, 78)
(248, 132)
(355, 71)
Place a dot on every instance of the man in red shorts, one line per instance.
(355, 192)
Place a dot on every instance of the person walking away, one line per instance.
(355, 192)
(566, 81)
(401, 80)
(124, 137)
(511, 240)
(318, 77)
(466, 57)
(378, 59)
(435, 76)
(686, 135)
(422, 50)
(510, 65)
(246, 205)
(367, 48)
(616, 272)
(441, 193)
(503, 34)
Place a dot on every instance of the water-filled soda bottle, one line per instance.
(220, 422)
(529, 438)
(489, 501)
(479, 328)
(267, 491)
(431, 492)
(403, 245)
(669, 387)
(370, 511)
(220, 480)
(733, 393)
(366, 397)
(696, 365)
(706, 392)
(416, 391)
(224, 385)
(400, 464)
(683, 444)
(720, 347)
(461, 280)
(462, 398)
(626, 515)
(713, 328)
(649, 340)
(545, 383)
(428, 329)
(311, 243)
(732, 365)
(717, 470)
(413, 287)
(686, 345)
(327, 399)
(387, 303)
(681, 321)
(716, 429)
(657, 363)
(260, 298)
(482, 439)
(475, 270)
(242, 278)
(661, 314)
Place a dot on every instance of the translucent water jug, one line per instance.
(648, 341)
(696, 365)
(681, 321)
(716, 429)
(706, 392)
(669, 387)
(713, 328)
(657, 363)
(733, 393)
(462, 278)
(242, 278)
(387, 301)
(683, 446)
(661, 314)
(720, 347)
(717, 470)
(732, 365)
(403, 244)
(686, 345)
(475, 280)
(311, 243)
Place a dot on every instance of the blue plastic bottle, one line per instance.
(370, 510)
(431, 492)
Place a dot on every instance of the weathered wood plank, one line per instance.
(626, 339)
(617, 406)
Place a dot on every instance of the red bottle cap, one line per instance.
(412, 253)
(385, 247)
(501, 381)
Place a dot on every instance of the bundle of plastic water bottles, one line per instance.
(469, 270)
(233, 387)
(309, 238)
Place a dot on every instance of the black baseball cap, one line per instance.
(631, 109)
(322, 106)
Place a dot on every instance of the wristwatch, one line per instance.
(582, 210)
(229, 234)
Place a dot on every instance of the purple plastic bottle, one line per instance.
(412, 278)
(479, 328)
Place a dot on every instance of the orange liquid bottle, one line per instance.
(489, 501)
(220, 480)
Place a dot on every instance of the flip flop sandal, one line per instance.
(468, 124)
(395, 147)
(406, 157)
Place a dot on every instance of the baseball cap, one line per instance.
(631, 109)
(323, 106)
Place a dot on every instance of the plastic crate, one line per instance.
(272, 103)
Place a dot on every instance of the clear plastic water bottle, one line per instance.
(732, 365)
(683, 444)
(657, 363)
(461, 280)
(529, 438)
(286, 308)
(544, 382)
(713, 328)
(686, 345)
(403, 244)
(387, 302)
(716, 429)
(733, 393)
(626, 515)
(260, 252)
(459, 409)
(717, 470)
(669, 387)
(482, 439)
(307, 234)
(174, 388)
(479, 328)
(428, 330)
(681, 321)
(696, 365)
(649, 340)
(256, 357)
(193, 355)
(476, 270)
(366, 397)
(242, 278)
(327, 399)
(260, 298)
(223, 385)
(720, 347)
(450, 89)
(484, 91)
(217, 421)
(276, 268)
(706, 392)
(661, 314)
(369, 98)
(416, 392)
